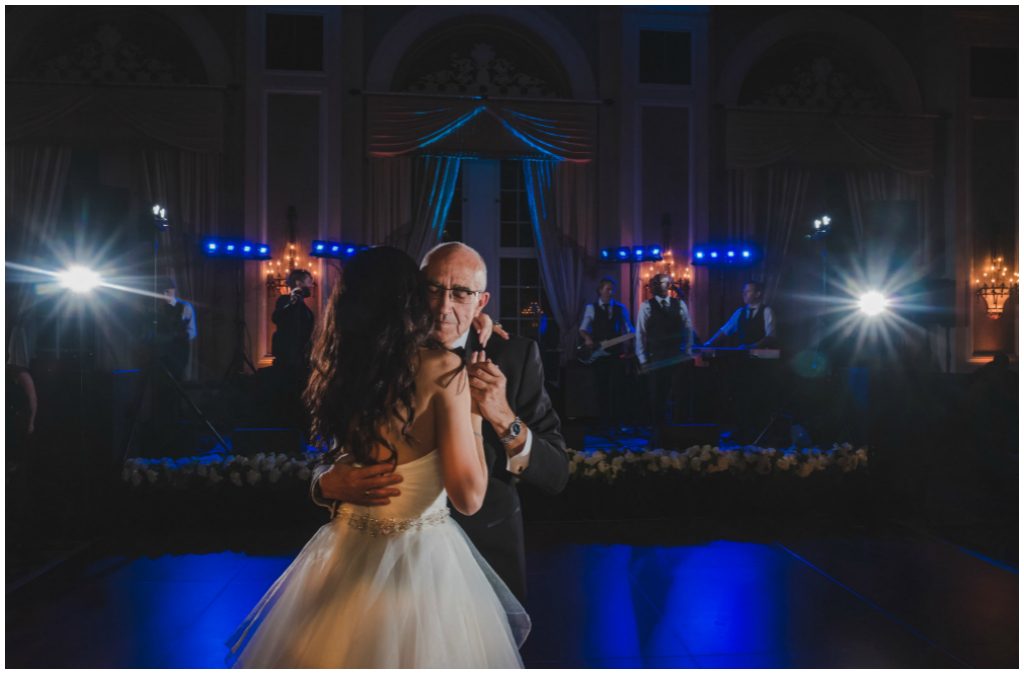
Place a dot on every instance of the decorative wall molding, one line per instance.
(482, 72)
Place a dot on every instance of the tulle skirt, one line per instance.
(353, 598)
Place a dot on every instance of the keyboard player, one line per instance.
(752, 326)
(747, 385)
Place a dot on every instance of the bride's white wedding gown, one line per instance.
(388, 586)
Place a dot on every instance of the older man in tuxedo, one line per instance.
(522, 436)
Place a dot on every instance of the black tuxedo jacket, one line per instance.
(497, 528)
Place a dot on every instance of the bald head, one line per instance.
(447, 267)
(457, 255)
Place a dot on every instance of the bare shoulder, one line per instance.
(437, 367)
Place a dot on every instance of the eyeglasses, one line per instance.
(459, 295)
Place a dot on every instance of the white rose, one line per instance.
(274, 475)
(695, 463)
(589, 472)
(603, 467)
(235, 478)
(151, 475)
(215, 477)
(136, 478)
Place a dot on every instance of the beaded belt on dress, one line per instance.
(389, 526)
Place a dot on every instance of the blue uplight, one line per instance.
(263, 250)
(319, 246)
(623, 253)
(731, 254)
(231, 247)
(335, 249)
(714, 253)
(211, 246)
(351, 250)
(656, 251)
(246, 249)
(700, 255)
(746, 253)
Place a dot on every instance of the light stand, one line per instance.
(161, 224)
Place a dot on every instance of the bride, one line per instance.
(397, 585)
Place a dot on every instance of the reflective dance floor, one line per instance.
(664, 593)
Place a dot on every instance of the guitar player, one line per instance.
(603, 320)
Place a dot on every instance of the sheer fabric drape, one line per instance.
(561, 202)
(189, 185)
(764, 206)
(35, 181)
(409, 201)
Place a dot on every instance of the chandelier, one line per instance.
(995, 287)
(277, 271)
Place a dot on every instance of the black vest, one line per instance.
(604, 327)
(171, 326)
(750, 330)
(664, 329)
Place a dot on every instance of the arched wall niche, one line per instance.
(814, 72)
(118, 45)
(535, 26)
(485, 55)
(848, 38)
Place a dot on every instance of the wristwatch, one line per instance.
(515, 429)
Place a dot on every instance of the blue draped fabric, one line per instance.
(436, 178)
(403, 125)
(560, 201)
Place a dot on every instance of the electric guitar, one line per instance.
(588, 354)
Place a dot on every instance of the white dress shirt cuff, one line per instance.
(521, 461)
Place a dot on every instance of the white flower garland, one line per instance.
(257, 470)
(703, 460)
(268, 469)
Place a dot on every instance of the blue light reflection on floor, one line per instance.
(633, 603)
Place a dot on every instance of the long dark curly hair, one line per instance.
(364, 354)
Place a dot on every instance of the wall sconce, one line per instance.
(995, 287)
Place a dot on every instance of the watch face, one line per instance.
(516, 428)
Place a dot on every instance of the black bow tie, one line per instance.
(460, 351)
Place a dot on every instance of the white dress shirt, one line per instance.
(588, 315)
(733, 324)
(641, 327)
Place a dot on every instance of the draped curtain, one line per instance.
(863, 185)
(763, 206)
(189, 185)
(403, 125)
(186, 118)
(561, 202)
(36, 176)
(757, 138)
(409, 201)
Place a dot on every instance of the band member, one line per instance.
(175, 329)
(603, 320)
(752, 326)
(291, 345)
(749, 385)
(663, 333)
